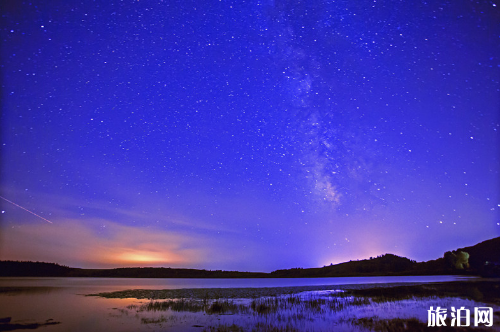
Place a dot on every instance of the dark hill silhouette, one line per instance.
(161, 272)
(385, 265)
(32, 269)
(39, 269)
(389, 264)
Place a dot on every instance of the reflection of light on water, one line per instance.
(411, 308)
(312, 310)
(328, 292)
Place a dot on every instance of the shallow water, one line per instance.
(95, 285)
(37, 300)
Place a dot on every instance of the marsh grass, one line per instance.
(178, 306)
(410, 324)
(486, 291)
(224, 328)
(376, 308)
(162, 319)
(268, 327)
(213, 293)
(284, 309)
(259, 327)
(311, 304)
(225, 307)
(264, 306)
(219, 307)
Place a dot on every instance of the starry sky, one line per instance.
(247, 135)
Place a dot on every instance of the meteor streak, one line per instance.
(25, 209)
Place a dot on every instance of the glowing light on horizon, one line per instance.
(25, 209)
(143, 257)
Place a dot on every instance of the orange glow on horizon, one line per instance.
(88, 249)
(139, 256)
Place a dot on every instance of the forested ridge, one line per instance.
(480, 259)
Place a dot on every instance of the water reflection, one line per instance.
(7, 325)
(95, 285)
(27, 290)
(47, 301)
(318, 311)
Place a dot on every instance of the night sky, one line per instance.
(247, 135)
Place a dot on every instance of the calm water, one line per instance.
(37, 300)
(95, 285)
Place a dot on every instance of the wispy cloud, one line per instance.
(149, 231)
(79, 244)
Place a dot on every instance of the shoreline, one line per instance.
(482, 289)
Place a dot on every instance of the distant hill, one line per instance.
(32, 269)
(39, 269)
(161, 272)
(388, 264)
(385, 265)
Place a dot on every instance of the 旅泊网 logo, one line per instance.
(460, 317)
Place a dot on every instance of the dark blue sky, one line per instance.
(247, 135)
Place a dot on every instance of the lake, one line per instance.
(60, 304)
